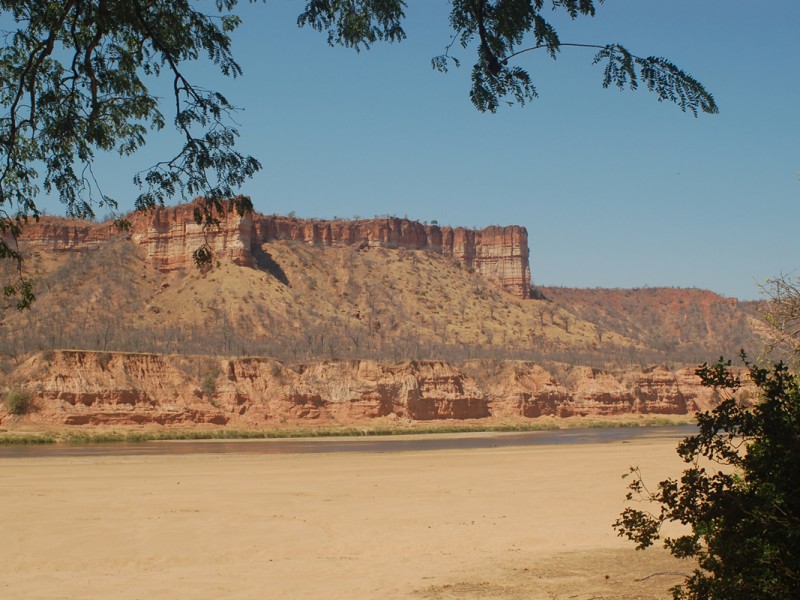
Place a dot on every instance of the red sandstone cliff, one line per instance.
(499, 254)
(57, 234)
(77, 388)
(170, 235)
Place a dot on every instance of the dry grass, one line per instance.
(381, 427)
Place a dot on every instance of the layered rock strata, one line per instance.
(170, 236)
(79, 388)
(57, 234)
(499, 254)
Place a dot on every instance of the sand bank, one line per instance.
(526, 522)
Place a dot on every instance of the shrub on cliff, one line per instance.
(19, 402)
(740, 496)
(209, 385)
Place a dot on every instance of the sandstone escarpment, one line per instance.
(57, 234)
(76, 388)
(526, 389)
(170, 235)
(499, 254)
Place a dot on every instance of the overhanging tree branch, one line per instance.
(501, 27)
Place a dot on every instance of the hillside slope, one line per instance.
(386, 289)
(682, 325)
(299, 302)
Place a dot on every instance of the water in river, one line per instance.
(409, 443)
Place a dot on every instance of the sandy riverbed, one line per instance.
(527, 522)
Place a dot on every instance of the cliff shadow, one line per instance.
(265, 262)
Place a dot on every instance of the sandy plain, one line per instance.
(520, 522)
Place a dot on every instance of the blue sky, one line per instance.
(615, 188)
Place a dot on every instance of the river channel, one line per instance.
(405, 443)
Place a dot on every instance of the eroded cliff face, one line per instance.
(170, 236)
(499, 254)
(80, 388)
(528, 390)
(57, 234)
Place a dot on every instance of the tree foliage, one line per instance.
(505, 29)
(76, 79)
(501, 31)
(740, 496)
(77, 76)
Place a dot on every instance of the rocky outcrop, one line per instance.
(528, 390)
(80, 388)
(170, 236)
(499, 254)
(659, 391)
(57, 234)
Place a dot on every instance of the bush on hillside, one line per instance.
(19, 402)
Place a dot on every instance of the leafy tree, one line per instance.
(76, 78)
(502, 30)
(740, 496)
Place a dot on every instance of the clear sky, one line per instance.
(615, 188)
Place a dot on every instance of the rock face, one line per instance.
(528, 390)
(170, 235)
(95, 388)
(499, 254)
(57, 234)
